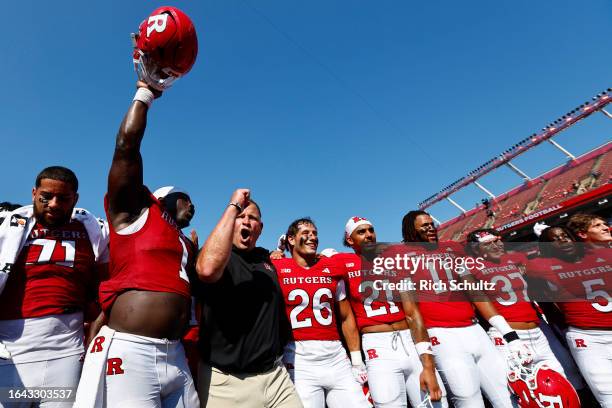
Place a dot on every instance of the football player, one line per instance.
(399, 357)
(465, 357)
(51, 257)
(314, 289)
(138, 359)
(583, 273)
(510, 298)
(591, 229)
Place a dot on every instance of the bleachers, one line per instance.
(514, 206)
(565, 184)
(477, 221)
(448, 234)
(594, 170)
(605, 169)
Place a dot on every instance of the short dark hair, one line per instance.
(58, 173)
(295, 225)
(409, 233)
(344, 241)
(294, 228)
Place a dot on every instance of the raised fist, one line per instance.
(156, 93)
(242, 197)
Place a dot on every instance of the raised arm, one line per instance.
(126, 193)
(215, 253)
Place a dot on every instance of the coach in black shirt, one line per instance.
(243, 326)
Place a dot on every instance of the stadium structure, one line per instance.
(582, 184)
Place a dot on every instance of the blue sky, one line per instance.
(326, 109)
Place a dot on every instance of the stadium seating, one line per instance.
(566, 184)
(479, 220)
(514, 206)
(590, 171)
(604, 170)
(455, 232)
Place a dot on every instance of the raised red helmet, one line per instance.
(539, 386)
(165, 47)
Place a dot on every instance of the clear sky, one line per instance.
(326, 109)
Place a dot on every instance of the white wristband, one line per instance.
(356, 358)
(145, 96)
(500, 324)
(423, 347)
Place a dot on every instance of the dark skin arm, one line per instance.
(481, 301)
(486, 309)
(126, 192)
(427, 379)
(94, 328)
(156, 314)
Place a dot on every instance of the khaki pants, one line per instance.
(273, 389)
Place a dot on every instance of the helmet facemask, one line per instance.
(149, 72)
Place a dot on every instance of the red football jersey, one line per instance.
(155, 258)
(432, 280)
(510, 296)
(370, 306)
(55, 272)
(310, 297)
(590, 278)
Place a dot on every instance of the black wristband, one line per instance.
(237, 206)
(511, 336)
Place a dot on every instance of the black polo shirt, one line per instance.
(243, 325)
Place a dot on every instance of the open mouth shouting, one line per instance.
(245, 234)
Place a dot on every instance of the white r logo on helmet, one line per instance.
(159, 23)
(554, 401)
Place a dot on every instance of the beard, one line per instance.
(41, 218)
